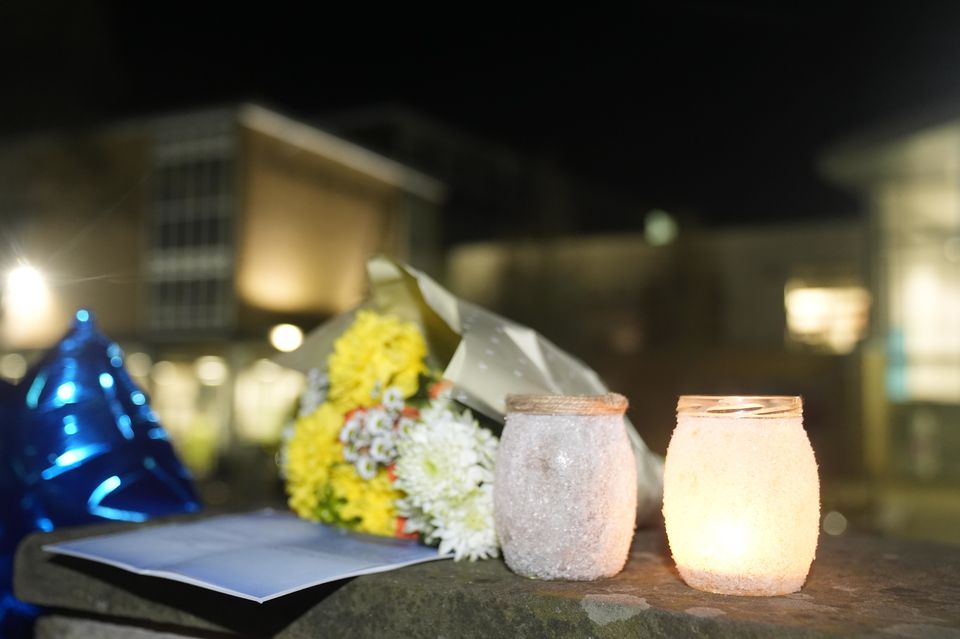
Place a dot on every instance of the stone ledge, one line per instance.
(858, 586)
(65, 627)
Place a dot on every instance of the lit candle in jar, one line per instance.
(741, 495)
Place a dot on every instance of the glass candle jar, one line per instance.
(565, 487)
(741, 495)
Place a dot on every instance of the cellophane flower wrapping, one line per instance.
(397, 428)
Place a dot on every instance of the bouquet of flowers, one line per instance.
(380, 448)
(396, 428)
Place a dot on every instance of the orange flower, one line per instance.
(439, 388)
(401, 522)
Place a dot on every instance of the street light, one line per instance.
(286, 337)
(26, 294)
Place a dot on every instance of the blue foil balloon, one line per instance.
(16, 617)
(87, 445)
(79, 444)
(10, 487)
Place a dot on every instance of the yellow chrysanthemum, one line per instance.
(311, 452)
(377, 351)
(372, 502)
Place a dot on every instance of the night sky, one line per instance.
(711, 109)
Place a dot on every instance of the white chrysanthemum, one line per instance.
(351, 454)
(369, 439)
(487, 448)
(315, 393)
(382, 448)
(467, 529)
(445, 467)
(393, 399)
(405, 425)
(361, 439)
(366, 467)
(283, 453)
(440, 410)
(438, 462)
(377, 422)
(351, 427)
(416, 521)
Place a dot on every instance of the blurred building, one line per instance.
(908, 178)
(191, 236)
(776, 309)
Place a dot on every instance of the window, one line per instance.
(831, 318)
(918, 269)
(190, 254)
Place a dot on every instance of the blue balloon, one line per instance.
(16, 617)
(80, 444)
(87, 446)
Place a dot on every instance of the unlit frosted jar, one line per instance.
(741, 495)
(565, 492)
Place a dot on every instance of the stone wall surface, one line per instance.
(858, 586)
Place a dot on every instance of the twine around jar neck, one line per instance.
(608, 404)
(750, 406)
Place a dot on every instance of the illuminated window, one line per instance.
(192, 408)
(264, 395)
(918, 230)
(833, 318)
(190, 245)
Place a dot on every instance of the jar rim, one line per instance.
(606, 404)
(746, 406)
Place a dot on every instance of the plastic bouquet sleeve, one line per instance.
(485, 356)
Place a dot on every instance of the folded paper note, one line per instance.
(258, 556)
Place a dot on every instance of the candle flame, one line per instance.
(729, 538)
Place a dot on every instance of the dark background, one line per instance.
(715, 110)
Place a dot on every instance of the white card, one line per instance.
(258, 556)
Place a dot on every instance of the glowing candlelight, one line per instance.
(741, 495)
